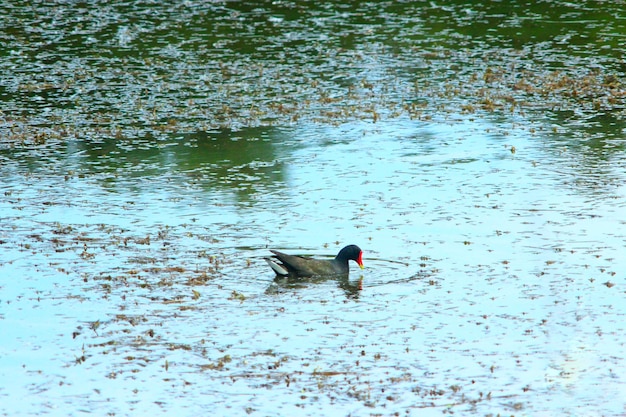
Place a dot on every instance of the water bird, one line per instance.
(298, 266)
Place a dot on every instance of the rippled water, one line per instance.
(151, 156)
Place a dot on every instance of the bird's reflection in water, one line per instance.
(351, 288)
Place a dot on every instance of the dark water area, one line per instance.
(152, 154)
(136, 70)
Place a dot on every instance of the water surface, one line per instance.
(151, 155)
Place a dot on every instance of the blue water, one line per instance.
(493, 279)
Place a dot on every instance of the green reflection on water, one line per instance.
(139, 70)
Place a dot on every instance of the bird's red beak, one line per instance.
(360, 260)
